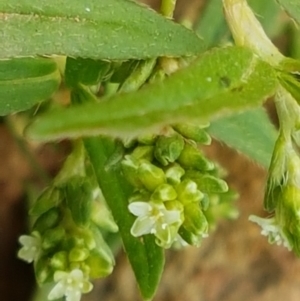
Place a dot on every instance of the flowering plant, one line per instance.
(145, 95)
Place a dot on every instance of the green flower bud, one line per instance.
(102, 217)
(99, 266)
(78, 254)
(79, 196)
(130, 171)
(53, 237)
(49, 198)
(168, 148)
(102, 247)
(147, 139)
(288, 217)
(174, 174)
(47, 220)
(207, 183)
(43, 270)
(164, 192)
(194, 132)
(195, 220)
(188, 192)
(151, 176)
(191, 157)
(189, 237)
(59, 261)
(143, 153)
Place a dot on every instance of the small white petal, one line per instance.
(139, 208)
(142, 225)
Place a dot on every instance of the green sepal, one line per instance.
(193, 132)
(52, 237)
(99, 267)
(48, 199)
(79, 197)
(192, 157)
(59, 261)
(168, 148)
(207, 183)
(47, 220)
(130, 171)
(144, 152)
(189, 237)
(78, 254)
(151, 176)
(86, 71)
(43, 270)
(195, 220)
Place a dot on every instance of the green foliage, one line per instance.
(26, 82)
(220, 81)
(249, 132)
(106, 29)
(146, 258)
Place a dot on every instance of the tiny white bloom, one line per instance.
(70, 284)
(31, 247)
(154, 218)
(272, 230)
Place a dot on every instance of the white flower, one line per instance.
(31, 247)
(71, 285)
(272, 230)
(154, 218)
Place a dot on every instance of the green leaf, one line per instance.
(212, 26)
(146, 258)
(25, 82)
(220, 81)
(250, 132)
(106, 29)
(292, 7)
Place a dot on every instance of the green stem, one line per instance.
(167, 8)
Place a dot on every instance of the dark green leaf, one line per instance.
(106, 29)
(220, 81)
(146, 258)
(25, 82)
(250, 132)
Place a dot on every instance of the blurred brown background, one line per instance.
(235, 263)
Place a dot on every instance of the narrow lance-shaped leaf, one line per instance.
(145, 256)
(25, 82)
(249, 132)
(221, 81)
(292, 7)
(106, 29)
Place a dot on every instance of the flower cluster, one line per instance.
(174, 183)
(66, 243)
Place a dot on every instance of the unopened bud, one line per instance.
(174, 174)
(188, 192)
(78, 254)
(48, 199)
(47, 220)
(168, 148)
(191, 157)
(164, 192)
(59, 261)
(52, 237)
(193, 132)
(151, 176)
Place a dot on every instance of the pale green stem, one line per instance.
(167, 8)
(248, 32)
